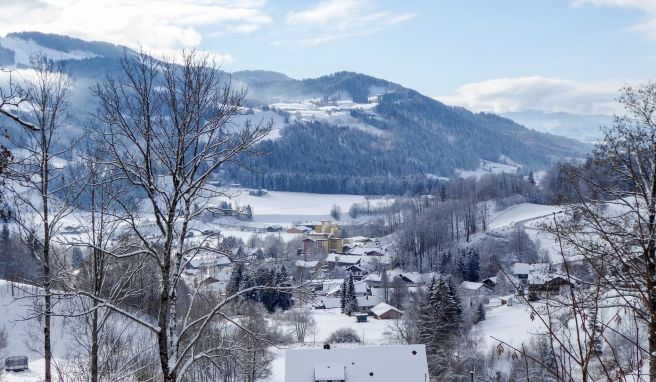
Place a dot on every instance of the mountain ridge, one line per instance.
(349, 127)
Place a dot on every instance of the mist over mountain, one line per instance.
(340, 133)
(583, 127)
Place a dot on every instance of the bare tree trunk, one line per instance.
(46, 99)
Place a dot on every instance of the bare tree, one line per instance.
(612, 222)
(11, 98)
(302, 321)
(3, 346)
(168, 128)
(41, 190)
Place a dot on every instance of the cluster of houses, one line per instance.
(538, 279)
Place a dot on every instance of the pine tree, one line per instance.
(473, 266)
(236, 280)
(284, 298)
(350, 298)
(342, 295)
(454, 305)
(384, 284)
(434, 327)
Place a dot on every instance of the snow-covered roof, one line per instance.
(357, 251)
(364, 301)
(306, 264)
(360, 364)
(525, 269)
(373, 277)
(208, 260)
(382, 308)
(469, 285)
(520, 269)
(343, 259)
(331, 302)
(539, 278)
(329, 372)
(360, 239)
(335, 287)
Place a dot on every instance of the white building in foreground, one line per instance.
(406, 363)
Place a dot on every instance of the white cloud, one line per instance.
(160, 26)
(537, 93)
(336, 19)
(648, 6)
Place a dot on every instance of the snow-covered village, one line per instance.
(327, 191)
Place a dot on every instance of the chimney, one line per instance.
(326, 346)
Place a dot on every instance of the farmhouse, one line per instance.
(385, 311)
(522, 270)
(299, 229)
(365, 303)
(548, 282)
(472, 292)
(361, 364)
(356, 271)
(335, 260)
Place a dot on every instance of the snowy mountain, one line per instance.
(340, 133)
(583, 127)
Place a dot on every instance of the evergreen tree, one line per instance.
(268, 297)
(468, 265)
(439, 324)
(342, 295)
(236, 280)
(384, 284)
(284, 298)
(473, 266)
(350, 298)
(454, 305)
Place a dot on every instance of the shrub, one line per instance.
(344, 335)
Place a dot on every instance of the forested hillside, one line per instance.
(421, 138)
(340, 133)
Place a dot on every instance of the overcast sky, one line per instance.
(494, 55)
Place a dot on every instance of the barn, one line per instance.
(385, 311)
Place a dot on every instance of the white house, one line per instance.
(523, 270)
(472, 292)
(405, 363)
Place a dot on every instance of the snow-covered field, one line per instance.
(335, 113)
(488, 167)
(15, 309)
(287, 207)
(511, 324)
(520, 213)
